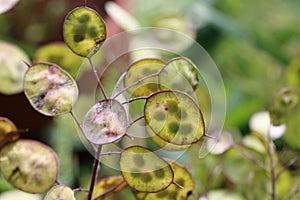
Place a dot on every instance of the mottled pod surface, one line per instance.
(12, 68)
(8, 131)
(174, 117)
(145, 171)
(105, 122)
(84, 31)
(60, 192)
(29, 165)
(139, 70)
(182, 177)
(49, 89)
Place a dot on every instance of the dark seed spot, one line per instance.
(93, 33)
(55, 58)
(162, 194)
(84, 18)
(159, 173)
(186, 128)
(78, 38)
(159, 116)
(172, 106)
(189, 193)
(79, 29)
(136, 175)
(146, 177)
(180, 181)
(39, 103)
(183, 114)
(138, 160)
(184, 140)
(152, 87)
(173, 195)
(173, 127)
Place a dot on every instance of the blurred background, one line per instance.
(255, 45)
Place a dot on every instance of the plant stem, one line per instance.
(84, 3)
(110, 190)
(249, 156)
(135, 83)
(80, 190)
(134, 121)
(77, 121)
(94, 173)
(294, 192)
(293, 161)
(135, 99)
(272, 168)
(98, 79)
(110, 153)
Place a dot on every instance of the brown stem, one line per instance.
(135, 99)
(94, 173)
(109, 190)
(249, 156)
(80, 190)
(98, 79)
(134, 84)
(294, 192)
(272, 168)
(293, 161)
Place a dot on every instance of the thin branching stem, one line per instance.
(27, 64)
(109, 190)
(135, 83)
(135, 99)
(98, 79)
(249, 180)
(212, 176)
(96, 161)
(210, 137)
(77, 121)
(110, 153)
(94, 173)
(80, 190)
(294, 192)
(58, 182)
(135, 120)
(249, 156)
(178, 185)
(272, 168)
(292, 162)
(119, 82)
(84, 3)
(140, 80)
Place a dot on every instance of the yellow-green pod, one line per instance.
(174, 117)
(145, 171)
(182, 177)
(49, 89)
(60, 192)
(140, 69)
(29, 165)
(84, 31)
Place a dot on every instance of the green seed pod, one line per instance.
(29, 165)
(139, 70)
(84, 31)
(60, 192)
(174, 117)
(49, 89)
(145, 171)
